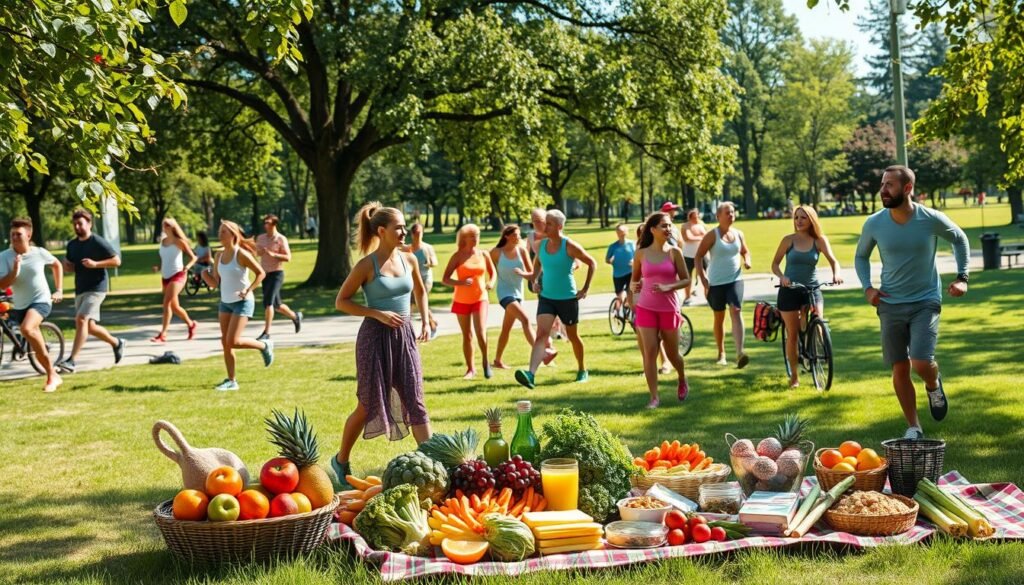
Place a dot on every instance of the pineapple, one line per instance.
(298, 443)
(451, 450)
(790, 432)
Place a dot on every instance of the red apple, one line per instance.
(283, 505)
(279, 475)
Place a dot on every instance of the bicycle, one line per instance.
(52, 335)
(618, 317)
(814, 342)
(195, 281)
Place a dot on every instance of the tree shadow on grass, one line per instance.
(142, 388)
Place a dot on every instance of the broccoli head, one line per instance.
(394, 520)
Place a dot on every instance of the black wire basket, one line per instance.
(911, 460)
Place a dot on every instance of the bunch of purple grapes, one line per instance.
(473, 477)
(516, 474)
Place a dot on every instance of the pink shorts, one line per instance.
(467, 308)
(176, 277)
(657, 319)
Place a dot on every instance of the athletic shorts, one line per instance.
(567, 310)
(720, 295)
(178, 276)
(468, 308)
(691, 262)
(88, 304)
(243, 307)
(793, 299)
(909, 330)
(621, 283)
(272, 284)
(18, 315)
(665, 320)
(506, 301)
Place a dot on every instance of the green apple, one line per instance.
(223, 508)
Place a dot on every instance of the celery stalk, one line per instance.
(952, 526)
(977, 524)
(819, 509)
(805, 507)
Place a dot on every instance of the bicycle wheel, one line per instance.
(820, 355)
(192, 285)
(54, 339)
(616, 320)
(685, 335)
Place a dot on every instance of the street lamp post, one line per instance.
(896, 8)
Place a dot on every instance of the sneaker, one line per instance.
(119, 349)
(341, 470)
(683, 389)
(525, 378)
(159, 338)
(67, 366)
(433, 333)
(297, 321)
(654, 403)
(937, 402)
(687, 302)
(665, 370)
(913, 433)
(470, 374)
(268, 352)
(52, 385)
(582, 376)
(487, 371)
(722, 361)
(227, 385)
(263, 336)
(192, 329)
(742, 361)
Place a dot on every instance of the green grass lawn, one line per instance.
(82, 474)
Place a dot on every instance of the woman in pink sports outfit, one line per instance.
(659, 270)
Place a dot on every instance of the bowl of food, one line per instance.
(643, 509)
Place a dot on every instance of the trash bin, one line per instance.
(990, 251)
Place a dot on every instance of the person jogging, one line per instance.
(693, 232)
(426, 257)
(272, 247)
(23, 269)
(88, 256)
(620, 256)
(909, 299)
(723, 281)
(173, 248)
(512, 261)
(557, 295)
(471, 273)
(389, 375)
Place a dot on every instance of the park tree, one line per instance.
(567, 148)
(868, 152)
(362, 78)
(760, 37)
(938, 164)
(878, 80)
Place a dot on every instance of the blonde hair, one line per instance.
(812, 217)
(176, 230)
(372, 217)
(469, 228)
(247, 244)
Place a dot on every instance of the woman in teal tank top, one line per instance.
(388, 368)
(426, 257)
(801, 249)
(512, 260)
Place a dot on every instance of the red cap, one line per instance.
(669, 206)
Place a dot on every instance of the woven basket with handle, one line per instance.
(867, 480)
(875, 525)
(687, 484)
(244, 540)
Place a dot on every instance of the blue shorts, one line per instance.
(18, 315)
(506, 301)
(244, 307)
(909, 330)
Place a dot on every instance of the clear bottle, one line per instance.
(525, 442)
(496, 450)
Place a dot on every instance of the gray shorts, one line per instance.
(88, 304)
(909, 330)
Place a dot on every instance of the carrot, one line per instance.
(517, 509)
(528, 495)
(536, 501)
(356, 505)
(359, 484)
(697, 458)
(506, 495)
(466, 513)
(457, 521)
(640, 462)
(682, 453)
(474, 500)
(375, 480)
(486, 498)
(439, 515)
(459, 494)
(351, 494)
(373, 490)
(704, 464)
(664, 448)
(346, 517)
(540, 507)
(675, 447)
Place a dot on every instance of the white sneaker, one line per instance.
(227, 385)
(722, 361)
(913, 433)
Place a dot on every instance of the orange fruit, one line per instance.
(254, 505)
(464, 552)
(190, 505)
(223, 480)
(830, 458)
(302, 502)
(851, 461)
(868, 459)
(849, 448)
(844, 466)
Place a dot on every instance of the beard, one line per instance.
(895, 200)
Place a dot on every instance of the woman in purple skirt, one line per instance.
(388, 371)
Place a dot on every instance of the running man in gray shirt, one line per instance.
(909, 299)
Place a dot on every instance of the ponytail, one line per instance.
(372, 217)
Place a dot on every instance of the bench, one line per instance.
(1011, 252)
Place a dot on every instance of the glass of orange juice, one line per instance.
(561, 481)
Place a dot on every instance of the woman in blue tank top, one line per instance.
(801, 250)
(512, 260)
(426, 257)
(388, 369)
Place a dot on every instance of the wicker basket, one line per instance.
(687, 484)
(875, 525)
(867, 480)
(911, 460)
(244, 540)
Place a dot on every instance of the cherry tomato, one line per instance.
(701, 533)
(675, 520)
(718, 533)
(676, 537)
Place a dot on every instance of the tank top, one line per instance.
(171, 261)
(234, 278)
(474, 267)
(426, 272)
(653, 273)
(389, 293)
(557, 280)
(510, 284)
(689, 248)
(724, 266)
(802, 266)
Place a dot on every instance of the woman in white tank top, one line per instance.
(230, 271)
(173, 268)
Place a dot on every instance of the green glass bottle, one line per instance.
(525, 442)
(495, 449)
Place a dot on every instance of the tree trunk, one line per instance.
(255, 227)
(438, 210)
(333, 179)
(131, 235)
(159, 208)
(33, 203)
(496, 218)
(1016, 205)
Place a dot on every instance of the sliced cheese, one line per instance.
(554, 542)
(567, 530)
(533, 519)
(571, 548)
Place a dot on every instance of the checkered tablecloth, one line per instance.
(1002, 503)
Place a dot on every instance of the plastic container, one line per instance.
(624, 534)
(655, 515)
(720, 498)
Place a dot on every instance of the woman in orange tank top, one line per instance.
(471, 273)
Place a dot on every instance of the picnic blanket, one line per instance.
(1002, 503)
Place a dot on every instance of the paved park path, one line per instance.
(342, 328)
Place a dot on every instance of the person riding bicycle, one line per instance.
(620, 256)
(801, 249)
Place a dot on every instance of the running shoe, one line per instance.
(687, 302)
(665, 370)
(227, 385)
(742, 361)
(470, 374)
(192, 329)
(722, 361)
(913, 433)
(937, 402)
(487, 371)
(268, 352)
(683, 389)
(263, 336)
(582, 376)
(341, 470)
(52, 385)
(67, 366)
(654, 403)
(525, 378)
(433, 333)
(119, 349)
(297, 321)
(159, 338)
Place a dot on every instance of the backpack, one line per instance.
(767, 321)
